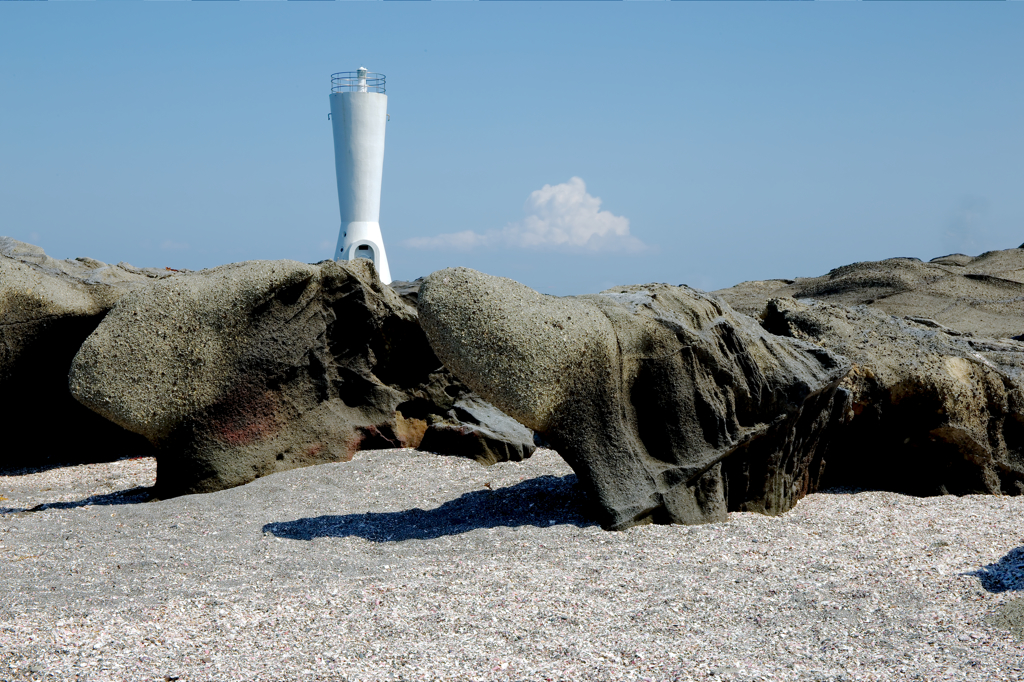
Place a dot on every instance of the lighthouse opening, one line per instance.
(365, 251)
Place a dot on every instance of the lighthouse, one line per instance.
(359, 113)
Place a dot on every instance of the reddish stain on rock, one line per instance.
(372, 438)
(247, 415)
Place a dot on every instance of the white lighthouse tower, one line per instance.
(359, 111)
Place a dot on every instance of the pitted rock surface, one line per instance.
(164, 352)
(669, 406)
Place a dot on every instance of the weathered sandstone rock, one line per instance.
(931, 411)
(247, 369)
(982, 295)
(47, 309)
(669, 406)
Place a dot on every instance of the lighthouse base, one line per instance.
(363, 240)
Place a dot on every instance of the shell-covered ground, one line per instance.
(403, 565)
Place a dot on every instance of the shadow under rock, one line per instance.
(543, 501)
(1006, 575)
(130, 496)
(45, 463)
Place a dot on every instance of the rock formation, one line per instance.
(247, 369)
(669, 406)
(982, 295)
(47, 309)
(931, 411)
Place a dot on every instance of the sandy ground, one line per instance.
(402, 565)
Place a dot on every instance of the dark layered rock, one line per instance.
(669, 406)
(932, 411)
(982, 295)
(477, 430)
(48, 307)
(408, 291)
(247, 369)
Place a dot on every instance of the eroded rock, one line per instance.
(981, 295)
(669, 406)
(931, 411)
(251, 368)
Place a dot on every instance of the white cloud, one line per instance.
(562, 217)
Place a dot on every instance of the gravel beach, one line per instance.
(403, 565)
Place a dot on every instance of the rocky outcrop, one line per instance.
(669, 406)
(981, 295)
(931, 411)
(47, 309)
(247, 369)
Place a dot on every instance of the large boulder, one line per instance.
(247, 369)
(47, 309)
(982, 295)
(932, 411)
(669, 406)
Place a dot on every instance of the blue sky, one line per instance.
(724, 141)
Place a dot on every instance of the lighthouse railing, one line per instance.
(353, 81)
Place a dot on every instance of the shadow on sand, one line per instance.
(1006, 575)
(543, 501)
(130, 496)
